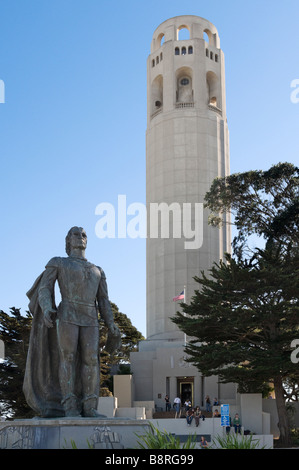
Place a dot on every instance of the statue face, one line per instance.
(78, 238)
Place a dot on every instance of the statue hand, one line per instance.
(114, 339)
(48, 317)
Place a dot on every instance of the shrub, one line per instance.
(155, 439)
(235, 441)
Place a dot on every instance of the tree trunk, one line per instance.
(283, 422)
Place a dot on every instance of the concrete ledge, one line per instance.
(62, 433)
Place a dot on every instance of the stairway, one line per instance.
(171, 414)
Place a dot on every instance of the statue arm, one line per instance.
(114, 336)
(104, 302)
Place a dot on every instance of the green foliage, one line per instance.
(130, 338)
(245, 314)
(295, 437)
(15, 332)
(235, 441)
(243, 320)
(156, 439)
(263, 203)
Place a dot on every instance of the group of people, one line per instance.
(196, 413)
(208, 403)
(190, 412)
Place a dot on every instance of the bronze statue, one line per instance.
(62, 370)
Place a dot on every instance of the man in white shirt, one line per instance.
(177, 407)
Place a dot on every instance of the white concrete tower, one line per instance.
(187, 146)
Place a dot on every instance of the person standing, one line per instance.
(177, 407)
(208, 403)
(167, 403)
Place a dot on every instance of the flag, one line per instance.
(179, 297)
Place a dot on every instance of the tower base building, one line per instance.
(187, 147)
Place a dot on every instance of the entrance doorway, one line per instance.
(185, 387)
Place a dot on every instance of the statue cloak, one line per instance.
(41, 382)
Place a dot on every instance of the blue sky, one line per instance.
(72, 128)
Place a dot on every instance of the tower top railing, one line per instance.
(197, 27)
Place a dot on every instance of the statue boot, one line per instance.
(70, 406)
(90, 407)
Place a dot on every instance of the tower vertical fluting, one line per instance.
(187, 146)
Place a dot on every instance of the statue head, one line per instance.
(76, 238)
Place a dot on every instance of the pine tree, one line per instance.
(130, 337)
(15, 332)
(245, 314)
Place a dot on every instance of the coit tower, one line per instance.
(187, 146)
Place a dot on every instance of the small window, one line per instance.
(184, 81)
(157, 60)
(207, 52)
(184, 51)
(190, 50)
(216, 57)
(206, 37)
(211, 55)
(177, 51)
(153, 63)
(183, 33)
(161, 56)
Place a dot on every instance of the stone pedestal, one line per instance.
(67, 433)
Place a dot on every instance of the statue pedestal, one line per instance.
(68, 433)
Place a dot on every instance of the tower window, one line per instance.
(211, 55)
(190, 50)
(184, 92)
(206, 37)
(216, 57)
(207, 52)
(184, 81)
(153, 63)
(177, 51)
(183, 33)
(161, 56)
(157, 60)
(184, 51)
